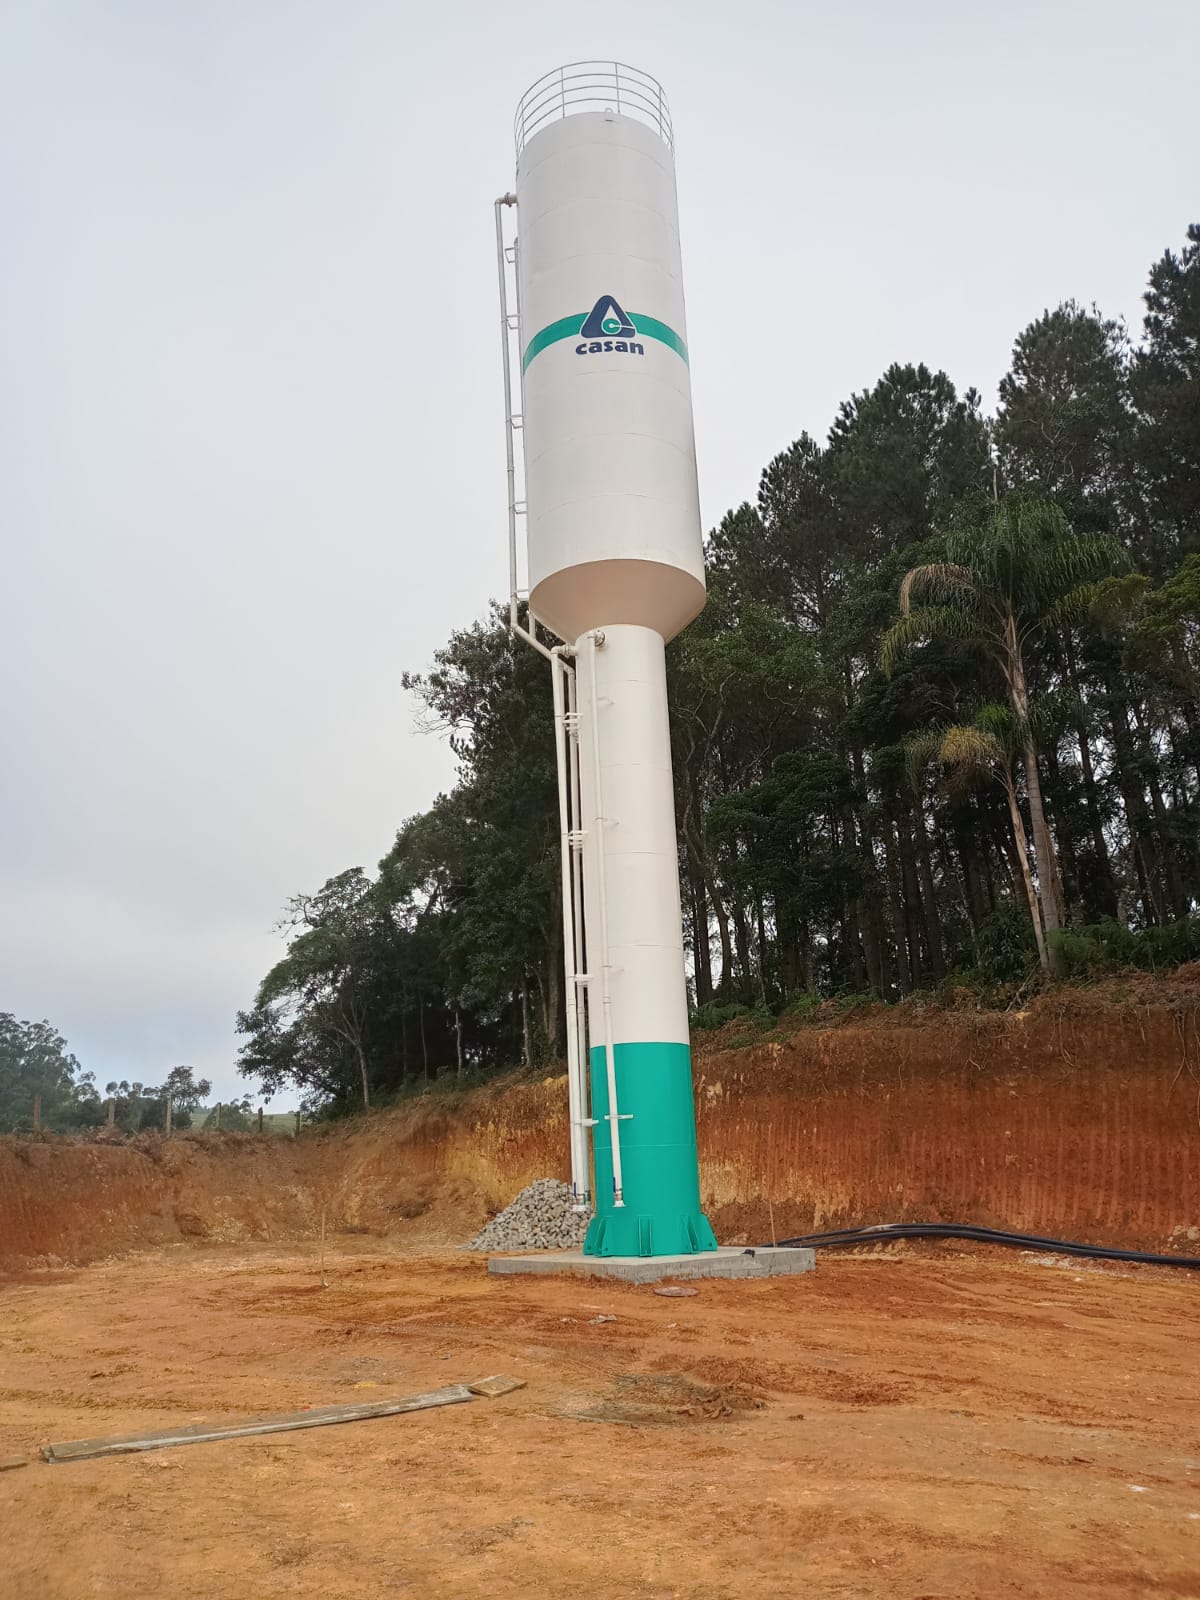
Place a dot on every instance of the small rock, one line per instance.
(675, 1290)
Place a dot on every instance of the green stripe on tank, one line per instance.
(568, 328)
(653, 329)
(564, 328)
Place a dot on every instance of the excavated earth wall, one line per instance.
(1079, 1117)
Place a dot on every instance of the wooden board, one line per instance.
(490, 1388)
(287, 1422)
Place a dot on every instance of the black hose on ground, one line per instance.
(886, 1232)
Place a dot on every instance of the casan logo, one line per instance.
(605, 329)
(607, 318)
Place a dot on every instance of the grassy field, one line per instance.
(282, 1123)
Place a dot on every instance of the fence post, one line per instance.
(112, 1111)
(260, 1112)
(37, 1113)
(217, 1121)
(168, 1129)
(298, 1116)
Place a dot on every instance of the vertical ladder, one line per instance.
(566, 738)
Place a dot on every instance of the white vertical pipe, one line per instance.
(575, 1068)
(558, 670)
(528, 635)
(510, 458)
(605, 972)
(576, 804)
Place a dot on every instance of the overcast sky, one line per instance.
(251, 452)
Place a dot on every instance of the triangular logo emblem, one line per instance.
(606, 320)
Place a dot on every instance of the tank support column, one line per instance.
(647, 1188)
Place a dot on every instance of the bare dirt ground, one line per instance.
(919, 1426)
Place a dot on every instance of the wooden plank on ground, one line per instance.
(491, 1388)
(287, 1422)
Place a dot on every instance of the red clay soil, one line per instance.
(929, 1427)
(1076, 1117)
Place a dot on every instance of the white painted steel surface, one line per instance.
(613, 521)
(566, 746)
(636, 812)
(609, 499)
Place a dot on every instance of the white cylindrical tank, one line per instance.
(610, 462)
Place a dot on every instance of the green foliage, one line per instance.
(232, 1116)
(311, 1016)
(801, 1006)
(715, 1014)
(1004, 947)
(1015, 575)
(939, 720)
(447, 960)
(1165, 391)
(140, 1107)
(1012, 572)
(1103, 947)
(1063, 428)
(850, 1002)
(903, 455)
(35, 1062)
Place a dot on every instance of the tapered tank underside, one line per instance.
(644, 592)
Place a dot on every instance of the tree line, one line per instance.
(44, 1087)
(939, 724)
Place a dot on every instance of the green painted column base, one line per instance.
(661, 1215)
(633, 1233)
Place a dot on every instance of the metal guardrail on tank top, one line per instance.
(593, 86)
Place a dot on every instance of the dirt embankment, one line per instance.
(1078, 1117)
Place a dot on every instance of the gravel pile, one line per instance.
(540, 1218)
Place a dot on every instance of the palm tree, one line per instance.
(1010, 578)
(979, 752)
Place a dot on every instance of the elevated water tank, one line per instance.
(610, 462)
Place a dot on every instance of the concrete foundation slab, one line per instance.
(772, 1262)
